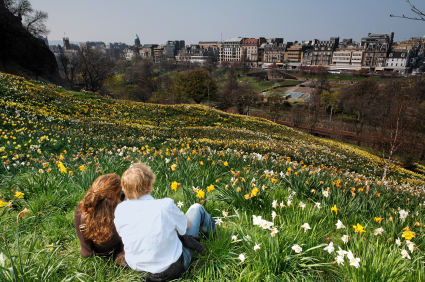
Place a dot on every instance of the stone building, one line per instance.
(294, 54)
(250, 51)
(323, 50)
(399, 61)
(148, 51)
(230, 50)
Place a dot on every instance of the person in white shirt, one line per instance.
(149, 227)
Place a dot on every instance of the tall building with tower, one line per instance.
(137, 41)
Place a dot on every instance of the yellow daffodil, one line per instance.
(23, 212)
(226, 163)
(82, 168)
(4, 204)
(246, 197)
(173, 167)
(19, 195)
(408, 235)
(378, 219)
(334, 209)
(358, 228)
(200, 194)
(174, 185)
(210, 188)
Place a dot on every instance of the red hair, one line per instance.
(98, 207)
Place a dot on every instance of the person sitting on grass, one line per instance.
(158, 238)
(94, 218)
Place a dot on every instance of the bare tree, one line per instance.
(297, 117)
(420, 15)
(393, 118)
(357, 101)
(95, 68)
(313, 106)
(33, 21)
(71, 68)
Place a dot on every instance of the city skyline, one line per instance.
(194, 21)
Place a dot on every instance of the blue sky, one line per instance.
(157, 21)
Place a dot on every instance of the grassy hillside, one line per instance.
(54, 143)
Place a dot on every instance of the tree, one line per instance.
(196, 84)
(95, 67)
(358, 101)
(71, 68)
(330, 98)
(420, 15)
(33, 21)
(272, 70)
(313, 105)
(116, 85)
(297, 116)
(142, 77)
(393, 119)
(225, 64)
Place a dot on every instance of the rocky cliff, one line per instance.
(23, 54)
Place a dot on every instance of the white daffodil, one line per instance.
(317, 205)
(167, 160)
(274, 204)
(273, 232)
(256, 220)
(234, 238)
(242, 257)
(405, 254)
(339, 225)
(403, 215)
(355, 262)
(297, 248)
(282, 205)
(341, 252)
(218, 221)
(378, 231)
(247, 237)
(257, 247)
(266, 224)
(225, 213)
(302, 205)
(305, 226)
(350, 255)
(325, 193)
(273, 215)
(330, 248)
(180, 204)
(340, 260)
(398, 241)
(410, 245)
(345, 238)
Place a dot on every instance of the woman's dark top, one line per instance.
(112, 247)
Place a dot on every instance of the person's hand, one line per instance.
(188, 222)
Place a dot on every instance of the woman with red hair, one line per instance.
(94, 219)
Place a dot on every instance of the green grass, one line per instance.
(258, 168)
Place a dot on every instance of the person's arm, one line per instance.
(87, 248)
(188, 222)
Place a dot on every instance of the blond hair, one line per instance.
(137, 181)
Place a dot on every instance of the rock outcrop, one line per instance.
(23, 54)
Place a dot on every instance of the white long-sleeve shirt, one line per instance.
(148, 230)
